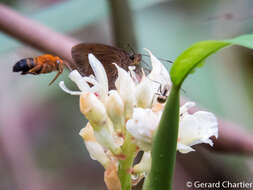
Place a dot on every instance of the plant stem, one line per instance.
(35, 34)
(129, 149)
(165, 145)
(122, 24)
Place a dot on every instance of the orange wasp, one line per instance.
(41, 64)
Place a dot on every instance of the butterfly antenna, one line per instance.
(147, 67)
(130, 47)
(154, 81)
(183, 90)
(161, 59)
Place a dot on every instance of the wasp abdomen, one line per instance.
(24, 65)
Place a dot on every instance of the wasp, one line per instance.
(41, 64)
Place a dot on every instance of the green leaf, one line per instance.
(164, 146)
(195, 55)
(192, 57)
(165, 139)
(244, 40)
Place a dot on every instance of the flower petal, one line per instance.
(186, 107)
(78, 79)
(183, 148)
(65, 89)
(209, 123)
(144, 93)
(159, 73)
(142, 126)
(197, 128)
(100, 75)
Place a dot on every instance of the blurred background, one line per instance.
(39, 143)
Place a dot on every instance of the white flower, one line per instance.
(159, 73)
(132, 108)
(110, 113)
(196, 128)
(99, 82)
(193, 128)
(152, 85)
(142, 126)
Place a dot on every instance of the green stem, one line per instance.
(129, 149)
(165, 145)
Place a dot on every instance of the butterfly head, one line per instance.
(136, 59)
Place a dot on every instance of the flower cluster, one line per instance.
(131, 110)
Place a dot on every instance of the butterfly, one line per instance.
(107, 55)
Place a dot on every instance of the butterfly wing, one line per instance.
(105, 54)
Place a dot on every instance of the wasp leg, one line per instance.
(35, 70)
(57, 75)
(46, 69)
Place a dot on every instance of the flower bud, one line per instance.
(115, 110)
(95, 112)
(95, 150)
(144, 93)
(126, 88)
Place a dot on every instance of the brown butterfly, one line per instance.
(106, 55)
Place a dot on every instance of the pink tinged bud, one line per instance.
(111, 177)
(93, 109)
